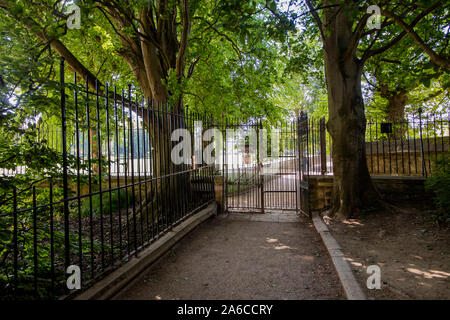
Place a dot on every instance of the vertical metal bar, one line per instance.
(178, 181)
(248, 191)
(225, 163)
(151, 140)
(108, 143)
(401, 145)
(150, 129)
(100, 178)
(281, 184)
(313, 144)
(409, 146)
(415, 147)
(309, 152)
(183, 167)
(323, 148)
(167, 162)
(376, 138)
(145, 117)
(389, 153)
(117, 152)
(194, 175)
(238, 167)
(371, 146)
(155, 170)
(77, 133)
(138, 145)
(133, 191)
(435, 139)
(260, 166)
(395, 146)
(255, 178)
(442, 140)
(384, 159)
(52, 239)
(162, 171)
(424, 169)
(126, 151)
(179, 204)
(91, 218)
(35, 239)
(65, 164)
(15, 240)
(428, 144)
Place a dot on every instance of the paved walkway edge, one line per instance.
(351, 286)
(117, 280)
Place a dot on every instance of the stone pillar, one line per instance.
(218, 188)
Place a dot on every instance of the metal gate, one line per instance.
(265, 179)
(242, 168)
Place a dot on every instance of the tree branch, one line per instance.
(233, 44)
(316, 18)
(184, 39)
(370, 53)
(356, 36)
(438, 60)
(191, 67)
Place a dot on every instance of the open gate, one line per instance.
(270, 178)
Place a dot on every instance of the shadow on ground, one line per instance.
(412, 252)
(235, 258)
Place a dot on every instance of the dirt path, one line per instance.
(234, 258)
(412, 252)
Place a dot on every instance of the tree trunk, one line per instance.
(396, 113)
(353, 187)
(396, 107)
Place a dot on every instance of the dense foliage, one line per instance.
(439, 185)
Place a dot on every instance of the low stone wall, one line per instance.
(393, 189)
(398, 163)
(400, 157)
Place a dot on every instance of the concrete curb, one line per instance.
(120, 278)
(351, 286)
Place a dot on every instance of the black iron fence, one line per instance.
(114, 192)
(78, 142)
(398, 147)
(407, 147)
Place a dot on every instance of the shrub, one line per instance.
(126, 198)
(439, 184)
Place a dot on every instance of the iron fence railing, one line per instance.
(51, 136)
(394, 147)
(112, 195)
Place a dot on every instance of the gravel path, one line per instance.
(231, 257)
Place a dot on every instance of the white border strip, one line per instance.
(351, 286)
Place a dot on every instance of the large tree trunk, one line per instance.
(150, 55)
(396, 113)
(396, 107)
(353, 188)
